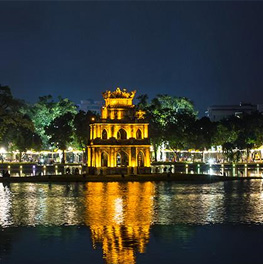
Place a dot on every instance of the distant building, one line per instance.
(90, 105)
(260, 108)
(219, 112)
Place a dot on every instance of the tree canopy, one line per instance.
(13, 120)
(169, 118)
(60, 132)
(47, 110)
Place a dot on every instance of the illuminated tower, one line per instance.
(119, 141)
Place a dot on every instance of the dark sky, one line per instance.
(211, 52)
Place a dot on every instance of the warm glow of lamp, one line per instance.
(2, 150)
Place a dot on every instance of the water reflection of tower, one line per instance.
(119, 216)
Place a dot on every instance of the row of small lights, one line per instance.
(44, 167)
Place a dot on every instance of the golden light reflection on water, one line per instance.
(119, 217)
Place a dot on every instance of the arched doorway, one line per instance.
(122, 159)
(104, 134)
(140, 159)
(104, 159)
(139, 134)
(122, 134)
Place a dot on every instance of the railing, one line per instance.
(255, 169)
(31, 169)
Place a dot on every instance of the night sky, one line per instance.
(210, 52)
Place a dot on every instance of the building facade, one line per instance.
(219, 112)
(119, 141)
(90, 105)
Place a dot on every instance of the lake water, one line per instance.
(132, 223)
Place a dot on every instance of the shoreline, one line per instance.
(197, 178)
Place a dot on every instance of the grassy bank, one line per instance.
(118, 178)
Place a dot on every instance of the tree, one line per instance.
(15, 126)
(177, 132)
(200, 133)
(47, 110)
(156, 133)
(24, 139)
(81, 124)
(60, 132)
(258, 130)
(169, 117)
(249, 128)
(225, 135)
(143, 101)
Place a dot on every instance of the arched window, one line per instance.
(104, 159)
(139, 134)
(122, 159)
(122, 134)
(104, 134)
(140, 159)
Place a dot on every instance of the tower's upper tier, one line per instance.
(119, 107)
(118, 98)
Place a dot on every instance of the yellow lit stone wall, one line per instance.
(94, 159)
(116, 102)
(112, 130)
(116, 113)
